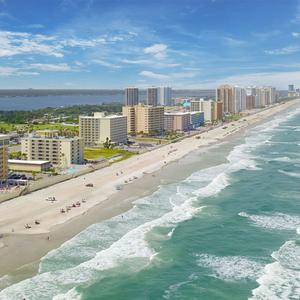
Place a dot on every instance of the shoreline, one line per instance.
(114, 203)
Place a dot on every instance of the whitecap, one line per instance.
(230, 268)
(291, 174)
(280, 279)
(277, 221)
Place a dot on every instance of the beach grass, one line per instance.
(96, 153)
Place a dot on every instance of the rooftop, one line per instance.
(28, 162)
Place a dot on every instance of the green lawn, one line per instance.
(96, 153)
(7, 127)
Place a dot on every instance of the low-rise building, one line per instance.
(4, 143)
(60, 151)
(197, 119)
(18, 165)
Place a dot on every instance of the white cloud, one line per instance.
(150, 62)
(232, 42)
(62, 67)
(283, 51)
(159, 51)
(9, 71)
(276, 79)
(174, 76)
(105, 64)
(14, 43)
(296, 34)
(153, 75)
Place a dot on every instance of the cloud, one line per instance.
(9, 71)
(296, 34)
(62, 67)
(232, 42)
(174, 76)
(159, 51)
(105, 64)
(153, 75)
(279, 80)
(283, 51)
(14, 43)
(150, 62)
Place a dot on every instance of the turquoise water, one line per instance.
(227, 232)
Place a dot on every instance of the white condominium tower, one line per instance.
(95, 129)
(131, 96)
(165, 96)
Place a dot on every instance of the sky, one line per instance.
(186, 44)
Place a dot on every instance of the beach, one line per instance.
(137, 176)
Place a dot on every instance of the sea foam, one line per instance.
(281, 279)
(230, 268)
(276, 221)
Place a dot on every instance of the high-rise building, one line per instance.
(250, 102)
(144, 119)
(4, 142)
(213, 110)
(152, 96)
(225, 94)
(95, 129)
(239, 99)
(165, 96)
(131, 96)
(60, 151)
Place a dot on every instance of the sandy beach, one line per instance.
(22, 247)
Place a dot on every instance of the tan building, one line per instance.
(95, 129)
(218, 111)
(144, 119)
(177, 121)
(226, 95)
(17, 165)
(60, 151)
(48, 133)
(250, 102)
(213, 110)
(4, 142)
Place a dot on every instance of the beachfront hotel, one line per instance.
(238, 99)
(131, 96)
(144, 119)
(4, 142)
(213, 110)
(177, 121)
(60, 151)
(94, 130)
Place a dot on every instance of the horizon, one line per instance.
(63, 44)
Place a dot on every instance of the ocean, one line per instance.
(229, 231)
